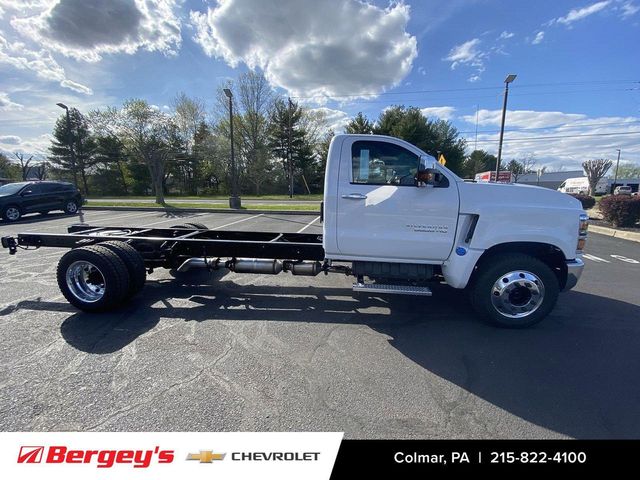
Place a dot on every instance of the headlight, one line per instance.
(584, 225)
(583, 229)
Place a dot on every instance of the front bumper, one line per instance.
(574, 270)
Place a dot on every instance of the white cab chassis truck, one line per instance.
(393, 218)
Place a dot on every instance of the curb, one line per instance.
(206, 210)
(633, 236)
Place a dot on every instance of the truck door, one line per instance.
(381, 214)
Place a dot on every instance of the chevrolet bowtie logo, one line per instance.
(206, 456)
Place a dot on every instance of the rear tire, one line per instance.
(11, 213)
(134, 263)
(514, 291)
(199, 226)
(93, 279)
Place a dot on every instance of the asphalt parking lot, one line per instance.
(228, 352)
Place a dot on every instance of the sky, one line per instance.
(576, 95)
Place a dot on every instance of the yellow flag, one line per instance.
(441, 160)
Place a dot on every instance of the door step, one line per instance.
(392, 289)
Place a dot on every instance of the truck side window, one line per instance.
(382, 163)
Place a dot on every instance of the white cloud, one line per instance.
(10, 139)
(328, 48)
(506, 35)
(6, 104)
(88, 29)
(538, 38)
(523, 118)
(474, 78)
(445, 113)
(558, 138)
(39, 61)
(580, 13)
(466, 53)
(629, 9)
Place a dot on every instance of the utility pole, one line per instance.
(289, 152)
(234, 199)
(477, 111)
(510, 78)
(70, 142)
(615, 178)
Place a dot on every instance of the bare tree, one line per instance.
(189, 114)
(596, 169)
(24, 164)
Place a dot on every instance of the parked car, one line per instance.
(622, 190)
(18, 199)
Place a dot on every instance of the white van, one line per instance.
(580, 185)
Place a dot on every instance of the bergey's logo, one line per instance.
(30, 454)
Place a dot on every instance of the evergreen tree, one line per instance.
(75, 164)
(359, 124)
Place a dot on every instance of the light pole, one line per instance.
(615, 178)
(70, 142)
(510, 78)
(234, 199)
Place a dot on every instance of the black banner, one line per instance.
(415, 458)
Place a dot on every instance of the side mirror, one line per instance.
(27, 192)
(427, 171)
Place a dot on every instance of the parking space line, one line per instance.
(624, 259)
(593, 258)
(237, 221)
(308, 225)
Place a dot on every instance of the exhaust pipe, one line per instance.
(308, 269)
(199, 262)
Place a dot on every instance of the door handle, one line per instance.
(354, 196)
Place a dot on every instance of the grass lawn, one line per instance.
(224, 205)
(314, 197)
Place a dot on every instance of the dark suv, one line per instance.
(17, 199)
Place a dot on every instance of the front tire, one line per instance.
(514, 291)
(71, 207)
(11, 213)
(93, 279)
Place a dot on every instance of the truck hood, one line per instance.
(513, 195)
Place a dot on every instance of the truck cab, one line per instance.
(399, 231)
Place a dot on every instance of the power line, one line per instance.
(553, 127)
(564, 136)
(468, 89)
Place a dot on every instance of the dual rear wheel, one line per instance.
(100, 277)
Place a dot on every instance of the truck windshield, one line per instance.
(11, 188)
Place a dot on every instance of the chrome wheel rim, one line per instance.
(72, 207)
(85, 281)
(517, 294)
(12, 213)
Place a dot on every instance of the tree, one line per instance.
(516, 168)
(146, 132)
(80, 161)
(8, 169)
(286, 137)
(596, 169)
(24, 164)
(478, 161)
(255, 99)
(189, 115)
(111, 159)
(359, 124)
(431, 136)
(628, 170)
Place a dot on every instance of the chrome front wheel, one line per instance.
(517, 294)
